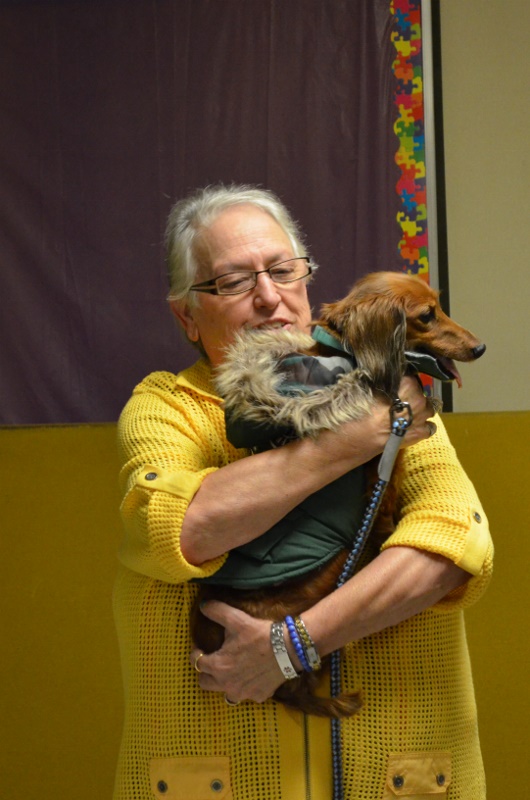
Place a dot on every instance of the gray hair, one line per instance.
(192, 214)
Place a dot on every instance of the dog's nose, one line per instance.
(479, 350)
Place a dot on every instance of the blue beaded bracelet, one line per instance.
(297, 644)
(308, 644)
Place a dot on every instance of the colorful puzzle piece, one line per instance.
(409, 129)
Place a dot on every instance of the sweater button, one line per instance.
(440, 779)
(477, 517)
(151, 476)
(162, 787)
(398, 781)
(217, 785)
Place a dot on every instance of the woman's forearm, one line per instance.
(241, 501)
(398, 584)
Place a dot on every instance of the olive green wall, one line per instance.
(59, 671)
(493, 448)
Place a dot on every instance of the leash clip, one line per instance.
(400, 417)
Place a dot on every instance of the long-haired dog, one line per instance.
(384, 316)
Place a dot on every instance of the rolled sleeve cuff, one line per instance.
(181, 484)
(476, 544)
(470, 548)
(151, 546)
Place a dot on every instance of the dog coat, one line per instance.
(324, 523)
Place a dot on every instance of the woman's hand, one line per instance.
(422, 407)
(364, 439)
(245, 668)
(398, 584)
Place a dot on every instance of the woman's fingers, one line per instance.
(422, 407)
(244, 668)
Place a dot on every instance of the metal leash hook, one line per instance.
(400, 421)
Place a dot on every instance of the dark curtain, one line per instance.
(109, 111)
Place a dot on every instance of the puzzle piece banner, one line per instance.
(410, 132)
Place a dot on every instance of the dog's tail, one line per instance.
(299, 695)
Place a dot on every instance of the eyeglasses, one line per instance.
(294, 269)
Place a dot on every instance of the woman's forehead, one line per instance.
(239, 234)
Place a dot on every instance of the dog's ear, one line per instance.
(332, 315)
(374, 329)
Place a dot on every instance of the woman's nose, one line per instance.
(266, 291)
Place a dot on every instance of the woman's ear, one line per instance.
(183, 313)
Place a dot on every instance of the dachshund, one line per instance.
(385, 319)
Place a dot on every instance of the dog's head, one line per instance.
(389, 295)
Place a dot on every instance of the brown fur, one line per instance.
(383, 314)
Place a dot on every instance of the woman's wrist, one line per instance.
(281, 654)
(293, 647)
(350, 446)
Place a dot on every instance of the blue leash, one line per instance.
(401, 415)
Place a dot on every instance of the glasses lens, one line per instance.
(236, 282)
(291, 270)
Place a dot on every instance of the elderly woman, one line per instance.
(190, 498)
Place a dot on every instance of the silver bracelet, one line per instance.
(280, 651)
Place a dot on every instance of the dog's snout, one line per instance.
(479, 350)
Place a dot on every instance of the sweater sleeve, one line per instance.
(169, 440)
(440, 513)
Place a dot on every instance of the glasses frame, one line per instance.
(211, 286)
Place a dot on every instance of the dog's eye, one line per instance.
(428, 316)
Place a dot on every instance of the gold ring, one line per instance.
(196, 664)
(231, 702)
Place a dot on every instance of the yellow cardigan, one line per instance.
(416, 735)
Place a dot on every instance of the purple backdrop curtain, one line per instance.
(110, 111)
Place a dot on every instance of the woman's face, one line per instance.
(242, 237)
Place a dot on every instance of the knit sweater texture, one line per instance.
(416, 735)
